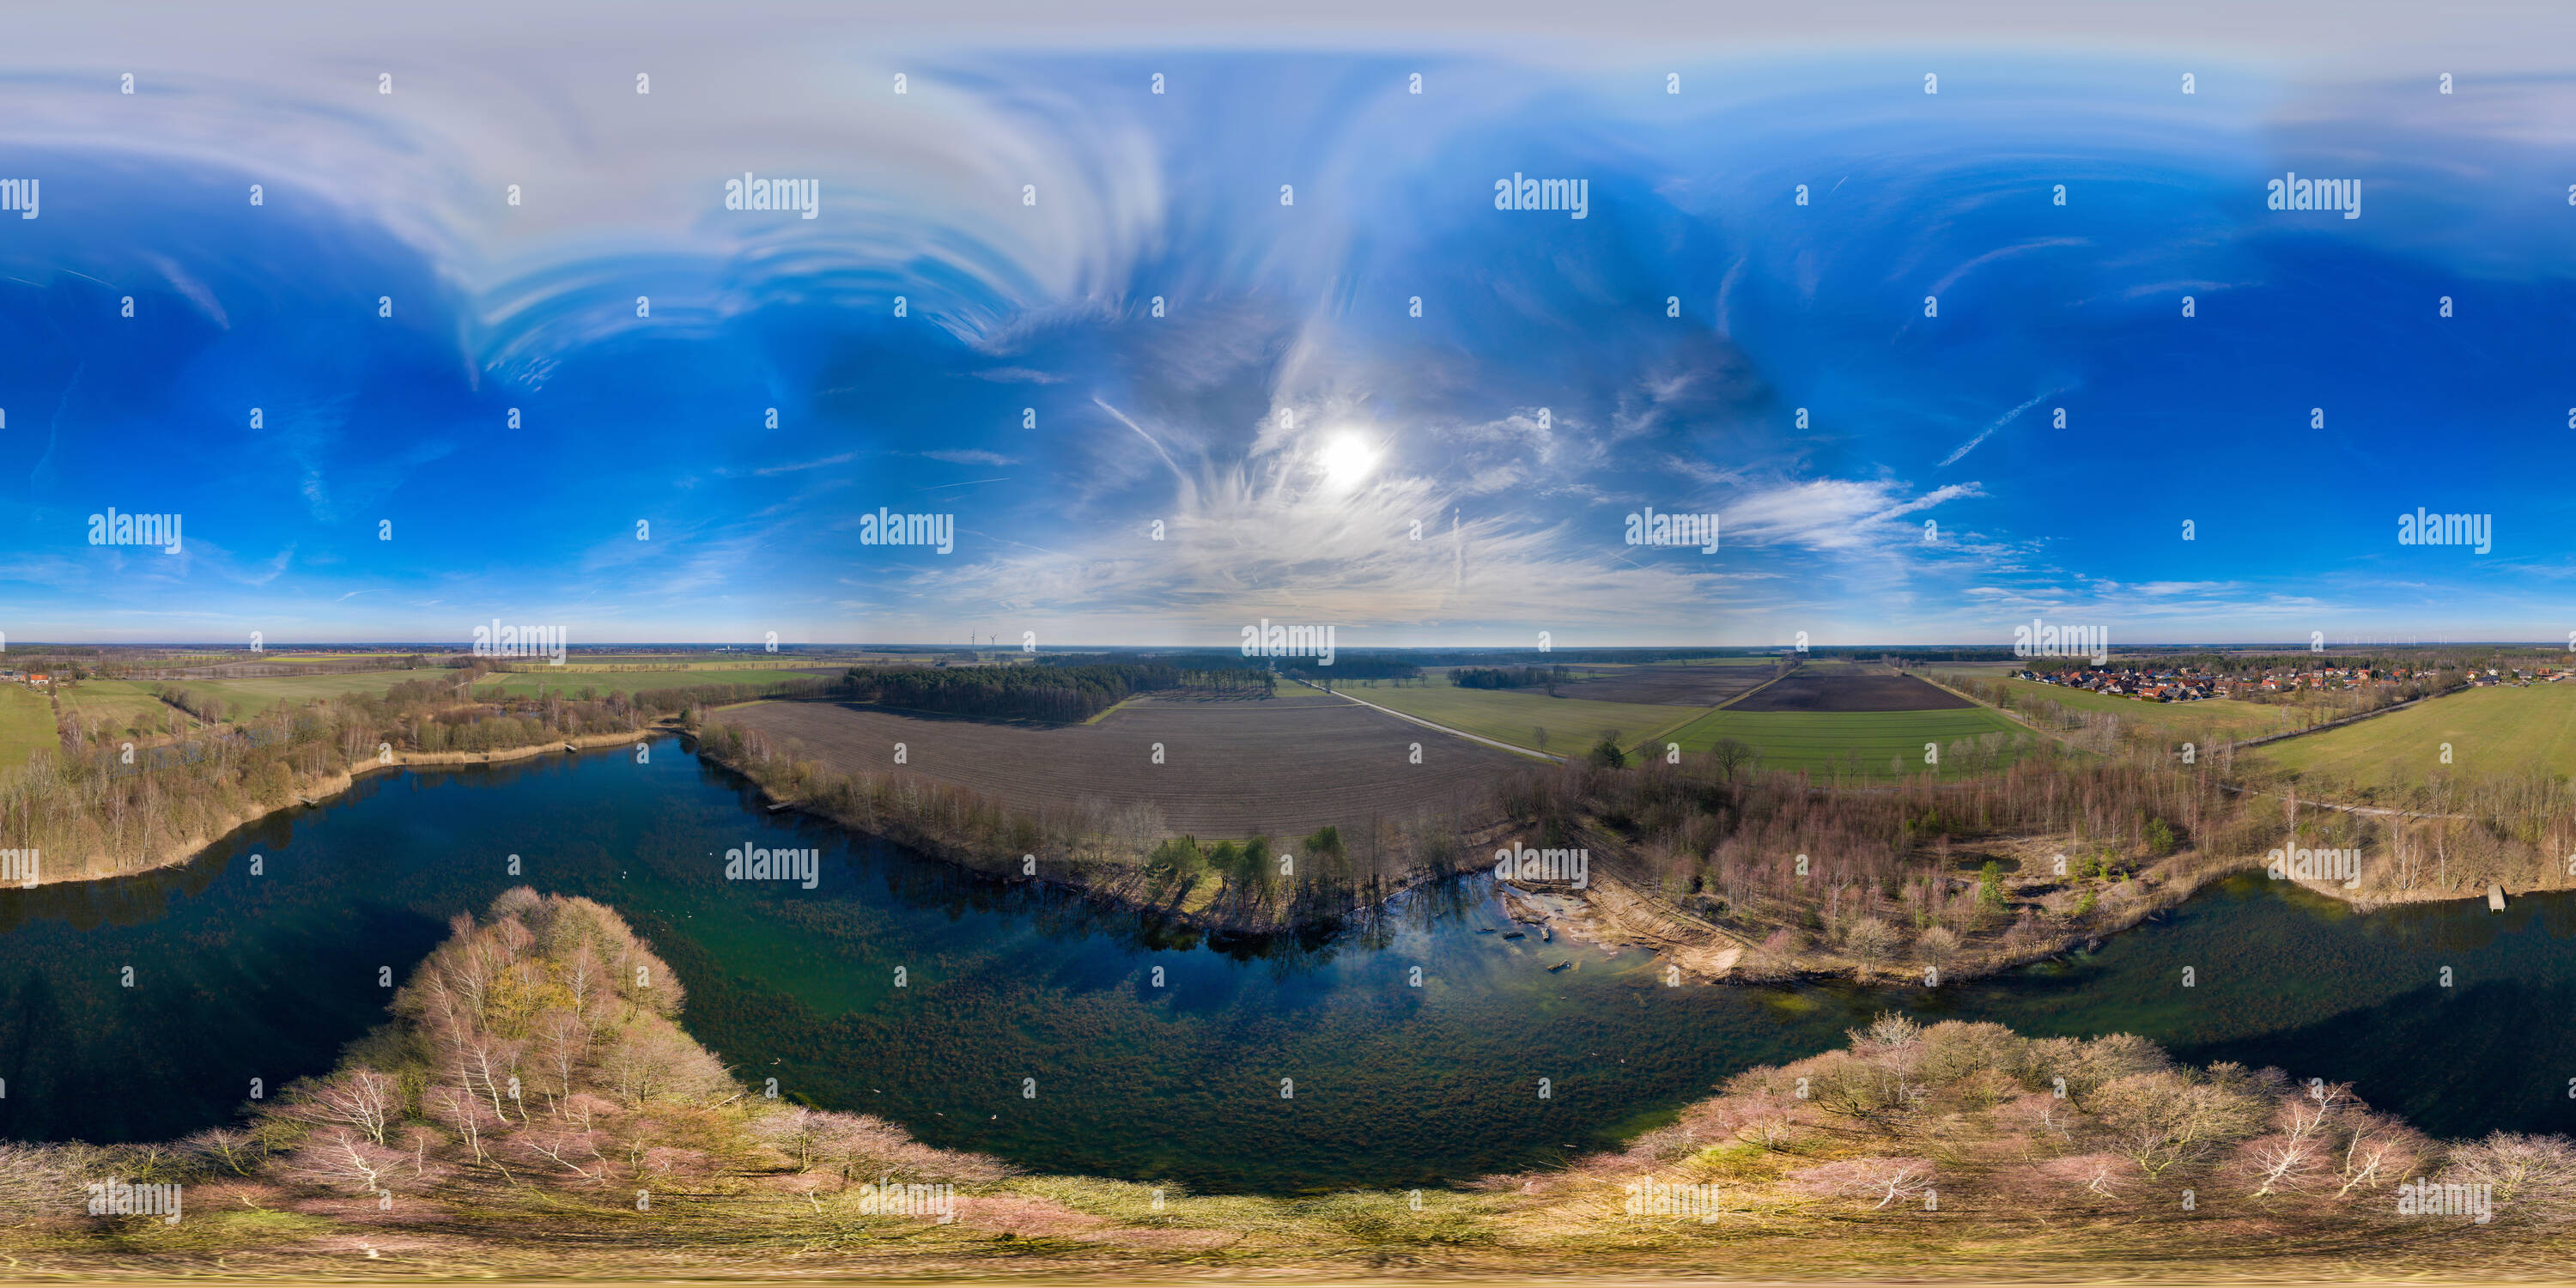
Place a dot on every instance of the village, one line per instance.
(2193, 684)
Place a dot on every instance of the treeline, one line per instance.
(1882, 883)
(204, 706)
(1870, 879)
(102, 813)
(1123, 852)
(1050, 693)
(1354, 666)
(1509, 677)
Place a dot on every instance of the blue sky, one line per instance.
(1286, 420)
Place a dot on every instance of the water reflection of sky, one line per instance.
(240, 976)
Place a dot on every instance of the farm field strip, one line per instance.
(2490, 731)
(1441, 728)
(1816, 688)
(1669, 686)
(243, 698)
(1861, 741)
(1517, 717)
(1229, 771)
(127, 705)
(26, 724)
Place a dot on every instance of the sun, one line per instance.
(1348, 460)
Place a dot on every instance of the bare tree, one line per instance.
(2298, 1147)
(2159, 1120)
(358, 1097)
(342, 1159)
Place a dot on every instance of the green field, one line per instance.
(2493, 731)
(245, 698)
(26, 723)
(1528, 718)
(2216, 720)
(127, 706)
(1860, 743)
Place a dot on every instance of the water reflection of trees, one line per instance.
(1061, 913)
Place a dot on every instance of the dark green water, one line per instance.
(239, 976)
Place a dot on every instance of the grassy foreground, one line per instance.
(534, 1110)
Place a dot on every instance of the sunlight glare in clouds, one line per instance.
(1348, 460)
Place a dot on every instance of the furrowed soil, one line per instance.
(1231, 769)
(1679, 686)
(1811, 689)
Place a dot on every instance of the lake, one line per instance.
(266, 955)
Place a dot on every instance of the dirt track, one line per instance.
(1230, 769)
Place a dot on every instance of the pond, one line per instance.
(1278, 1066)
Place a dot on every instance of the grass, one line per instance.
(127, 706)
(2211, 721)
(245, 698)
(1528, 717)
(26, 723)
(2490, 732)
(1858, 742)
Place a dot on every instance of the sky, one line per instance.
(1261, 345)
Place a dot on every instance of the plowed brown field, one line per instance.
(1679, 686)
(1230, 769)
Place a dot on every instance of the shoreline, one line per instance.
(1611, 915)
(196, 845)
(934, 848)
(1615, 916)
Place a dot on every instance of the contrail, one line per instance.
(1140, 433)
(2000, 422)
